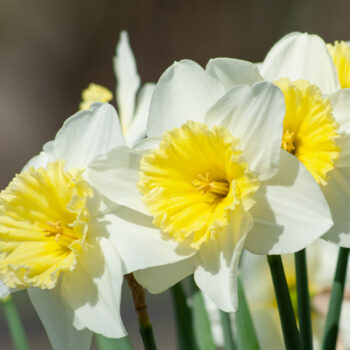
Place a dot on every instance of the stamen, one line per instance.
(204, 184)
(288, 141)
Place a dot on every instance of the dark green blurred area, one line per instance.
(51, 50)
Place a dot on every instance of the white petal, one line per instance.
(57, 320)
(216, 273)
(254, 115)
(138, 127)
(139, 243)
(341, 110)
(337, 193)
(301, 56)
(148, 143)
(290, 211)
(88, 134)
(158, 279)
(4, 290)
(116, 174)
(128, 81)
(184, 92)
(232, 72)
(93, 290)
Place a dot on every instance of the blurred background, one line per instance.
(51, 50)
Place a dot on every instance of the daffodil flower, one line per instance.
(132, 100)
(316, 127)
(55, 233)
(213, 180)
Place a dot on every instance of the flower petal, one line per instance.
(116, 174)
(290, 211)
(217, 265)
(128, 81)
(88, 134)
(4, 290)
(232, 72)
(301, 56)
(254, 115)
(137, 129)
(341, 109)
(93, 290)
(337, 193)
(184, 92)
(158, 279)
(57, 320)
(139, 243)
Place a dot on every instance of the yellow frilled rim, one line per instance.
(194, 181)
(340, 53)
(309, 128)
(43, 225)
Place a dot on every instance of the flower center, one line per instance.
(340, 53)
(204, 184)
(43, 225)
(194, 181)
(288, 141)
(309, 127)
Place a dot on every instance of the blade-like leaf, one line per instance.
(246, 335)
(183, 316)
(201, 324)
(112, 344)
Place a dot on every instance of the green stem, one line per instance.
(287, 317)
(147, 336)
(183, 317)
(246, 334)
(14, 323)
(201, 323)
(303, 300)
(112, 344)
(145, 326)
(332, 320)
(226, 325)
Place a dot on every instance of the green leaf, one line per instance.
(183, 317)
(226, 325)
(246, 335)
(201, 324)
(14, 323)
(112, 344)
(331, 327)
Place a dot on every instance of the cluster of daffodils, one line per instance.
(190, 173)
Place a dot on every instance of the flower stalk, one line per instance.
(303, 300)
(331, 328)
(287, 317)
(145, 325)
(14, 323)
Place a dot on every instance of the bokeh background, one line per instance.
(51, 50)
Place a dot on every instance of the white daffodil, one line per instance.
(213, 180)
(55, 233)
(132, 100)
(316, 127)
